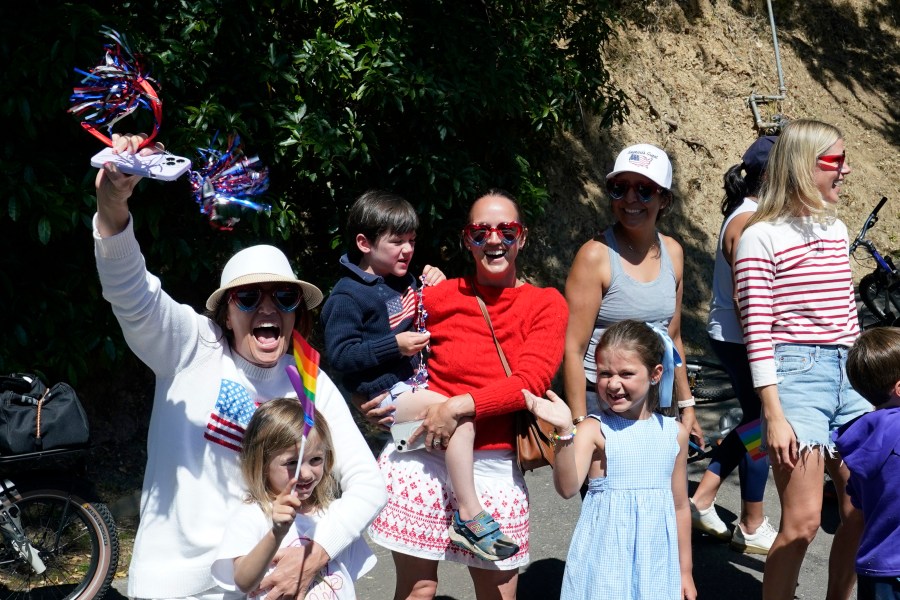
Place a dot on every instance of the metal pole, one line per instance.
(755, 98)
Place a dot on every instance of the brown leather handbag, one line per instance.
(533, 448)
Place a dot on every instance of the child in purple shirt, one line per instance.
(870, 447)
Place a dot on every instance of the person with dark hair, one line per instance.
(753, 533)
(465, 365)
(211, 374)
(629, 271)
(870, 447)
(371, 337)
(633, 538)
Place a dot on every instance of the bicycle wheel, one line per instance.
(76, 540)
(709, 383)
(880, 295)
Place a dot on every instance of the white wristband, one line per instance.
(687, 403)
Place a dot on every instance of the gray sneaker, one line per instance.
(708, 521)
(754, 543)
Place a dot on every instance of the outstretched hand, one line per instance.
(552, 409)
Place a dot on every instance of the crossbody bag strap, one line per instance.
(490, 325)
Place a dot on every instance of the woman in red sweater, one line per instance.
(465, 366)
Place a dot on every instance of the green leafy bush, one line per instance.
(434, 100)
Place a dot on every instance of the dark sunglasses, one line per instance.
(617, 188)
(287, 299)
(478, 233)
(833, 162)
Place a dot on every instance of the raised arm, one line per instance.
(588, 280)
(140, 305)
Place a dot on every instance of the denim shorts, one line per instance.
(815, 394)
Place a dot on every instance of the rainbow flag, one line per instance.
(751, 436)
(307, 359)
(303, 378)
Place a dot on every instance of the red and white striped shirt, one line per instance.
(794, 286)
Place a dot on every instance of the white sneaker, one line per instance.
(755, 543)
(708, 521)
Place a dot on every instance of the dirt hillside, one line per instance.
(688, 68)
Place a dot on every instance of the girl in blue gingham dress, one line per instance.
(632, 541)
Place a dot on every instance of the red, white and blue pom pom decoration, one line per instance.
(115, 89)
(227, 183)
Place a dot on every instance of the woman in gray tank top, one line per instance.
(630, 271)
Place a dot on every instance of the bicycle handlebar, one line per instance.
(870, 221)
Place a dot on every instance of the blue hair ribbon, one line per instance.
(670, 360)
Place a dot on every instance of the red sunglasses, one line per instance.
(479, 233)
(833, 162)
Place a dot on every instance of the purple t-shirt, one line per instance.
(870, 447)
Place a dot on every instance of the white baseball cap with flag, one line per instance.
(646, 160)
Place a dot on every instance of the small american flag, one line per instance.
(229, 418)
(640, 160)
(399, 309)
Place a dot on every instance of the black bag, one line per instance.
(34, 418)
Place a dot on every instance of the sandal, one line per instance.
(482, 537)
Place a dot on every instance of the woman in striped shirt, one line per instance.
(795, 296)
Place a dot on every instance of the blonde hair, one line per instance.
(277, 426)
(789, 189)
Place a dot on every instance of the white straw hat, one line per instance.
(261, 264)
(646, 160)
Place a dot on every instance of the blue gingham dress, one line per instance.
(625, 545)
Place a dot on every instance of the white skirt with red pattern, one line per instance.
(421, 503)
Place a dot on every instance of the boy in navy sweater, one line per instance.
(870, 447)
(368, 338)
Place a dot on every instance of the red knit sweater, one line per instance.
(530, 323)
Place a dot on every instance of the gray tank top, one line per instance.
(627, 298)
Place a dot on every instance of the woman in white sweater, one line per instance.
(795, 295)
(211, 373)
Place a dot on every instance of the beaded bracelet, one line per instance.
(555, 438)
